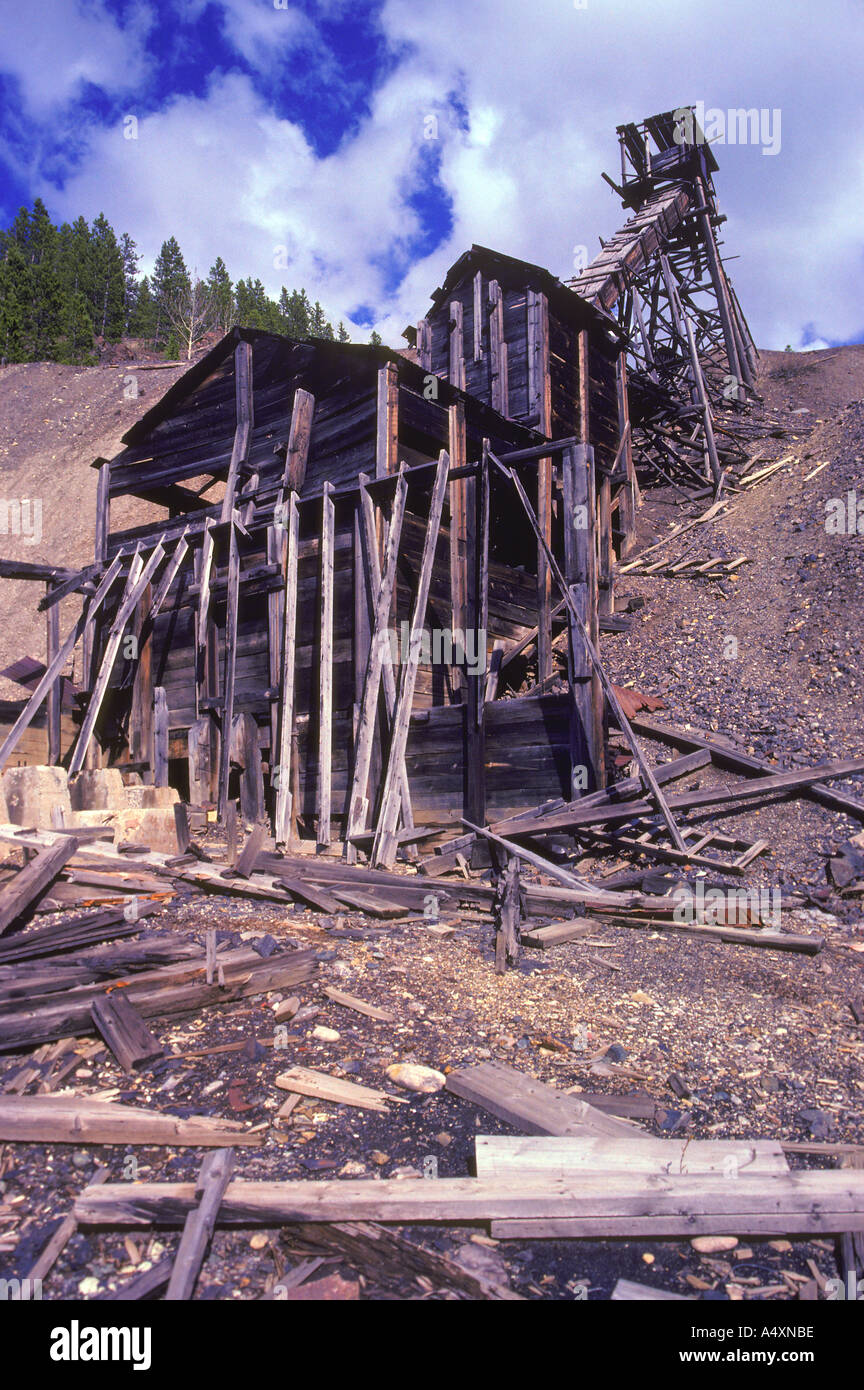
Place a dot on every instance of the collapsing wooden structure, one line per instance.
(662, 275)
(354, 554)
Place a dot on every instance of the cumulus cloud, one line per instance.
(55, 48)
(526, 99)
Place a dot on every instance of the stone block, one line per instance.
(32, 792)
(100, 789)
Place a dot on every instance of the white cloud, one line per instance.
(542, 88)
(55, 47)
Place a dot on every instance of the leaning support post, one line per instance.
(609, 689)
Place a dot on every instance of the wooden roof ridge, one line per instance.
(566, 297)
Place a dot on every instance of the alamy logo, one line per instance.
(77, 1343)
(737, 126)
(21, 518)
(20, 1290)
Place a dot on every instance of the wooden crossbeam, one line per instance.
(609, 689)
(135, 587)
(299, 438)
(55, 666)
(244, 398)
(377, 657)
(231, 609)
(386, 843)
(282, 770)
(325, 691)
(200, 1223)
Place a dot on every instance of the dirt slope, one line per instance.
(54, 421)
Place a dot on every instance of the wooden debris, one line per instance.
(323, 1087)
(17, 896)
(212, 1181)
(78, 1120)
(125, 1031)
(595, 1205)
(359, 1005)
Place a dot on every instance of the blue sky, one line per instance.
(357, 147)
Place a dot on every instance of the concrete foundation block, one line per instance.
(98, 790)
(149, 798)
(152, 826)
(32, 792)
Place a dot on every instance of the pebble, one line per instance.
(325, 1034)
(412, 1077)
(713, 1245)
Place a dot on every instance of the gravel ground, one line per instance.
(765, 1043)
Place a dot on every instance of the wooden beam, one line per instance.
(160, 737)
(281, 773)
(459, 557)
(55, 666)
(134, 591)
(52, 646)
(498, 350)
(386, 844)
(140, 731)
(103, 505)
(299, 439)
(125, 1031)
(325, 689)
(456, 357)
(630, 496)
(580, 573)
(592, 1205)
(477, 546)
(244, 404)
(540, 404)
(387, 434)
(478, 316)
(202, 620)
(200, 1223)
(231, 609)
(20, 892)
(81, 1120)
(424, 345)
(379, 654)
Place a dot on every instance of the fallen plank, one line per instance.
(557, 933)
(212, 1181)
(158, 993)
(17, 895)
(251, 850)
(499, 1156)
(738, 936)
(529, 1105)
(359, 1005)
(125, 1031)
(626, 1291)
(380, 1252)
(730, 758)
(307, 1082)
(591, 1205)
(78, 1120)
(61, 1237)
(375, 904)
(688, 801)
(145, 1285)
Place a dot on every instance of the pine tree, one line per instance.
(143, 321)
(342, 335)
(129, 252)
(375, 339)
(170, 277)
(108, 291)
(222, 294)
(14, 302)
